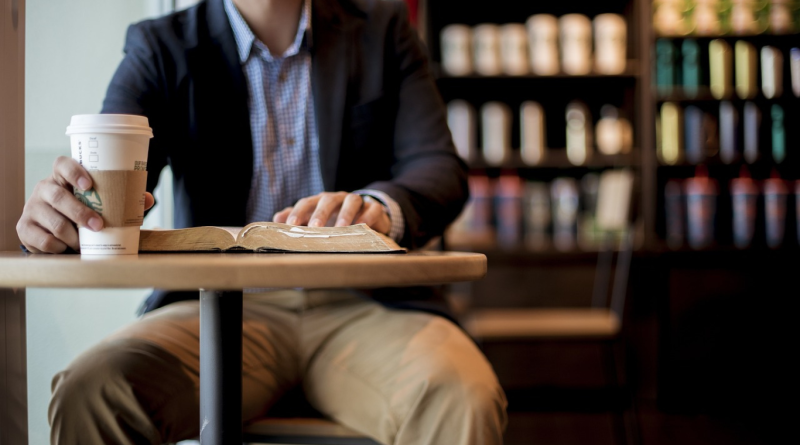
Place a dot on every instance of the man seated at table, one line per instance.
(303, 112)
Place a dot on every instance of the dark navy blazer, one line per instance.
(380, 119)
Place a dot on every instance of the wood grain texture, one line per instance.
(231, 271)
(13, 362)
(308, 427)
(12, 119)
(542, 323)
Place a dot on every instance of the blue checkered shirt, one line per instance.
(282, 124)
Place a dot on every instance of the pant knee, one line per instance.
(128, 383)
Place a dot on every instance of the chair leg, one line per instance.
(625, 422)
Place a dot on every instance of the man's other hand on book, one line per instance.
(49, 218)
(337, 209)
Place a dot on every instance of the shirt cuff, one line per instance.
(392, 209)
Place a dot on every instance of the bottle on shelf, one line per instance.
(797, 206)
(794, 65)
(746, 86)
(576, 44)
(537, 216)
(589, 234)
(747, 17)
(613, 133)
(778, 134)
(719, 61)
(461, 120)
(564, 193)
(729, 142)
(771, 72)
(691, 69)
(695, 135)
(775, 191)
(579, 133)
(668, 17)
(752, 124)
(533, 147)
(496, 127)
(671, 147)
(701, 206)
(780, 16)
(508, 214)
(456, 50)
(610, 38)
(744, 196)
(665, 66)
(674, 211)
(705, 19)
(486, 49)
(514, 49)
(543, 44)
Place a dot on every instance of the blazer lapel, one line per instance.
(333, 35)
(219, 111)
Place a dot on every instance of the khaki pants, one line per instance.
(401, 377)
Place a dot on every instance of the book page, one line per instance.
(286, 238)
(199, 239)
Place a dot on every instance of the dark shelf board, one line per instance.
(704, 95)
(630, 72)
(764, 38)
(556, 158)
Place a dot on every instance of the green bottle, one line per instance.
(690, 51)
(665, 66)
(778, 134)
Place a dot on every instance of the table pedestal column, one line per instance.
(13, 367)
(220, 367)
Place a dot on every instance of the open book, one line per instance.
(269, 237)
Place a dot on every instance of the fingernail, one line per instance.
(84, 183)
(95, 224)
(316, 222)
(292, 220)
(341, 222)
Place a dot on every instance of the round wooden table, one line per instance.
(220, 279)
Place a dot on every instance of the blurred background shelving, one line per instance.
(687, 307)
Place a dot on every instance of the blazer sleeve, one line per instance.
(137, 87)
(429, 180)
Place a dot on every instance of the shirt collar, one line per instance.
(246, 40)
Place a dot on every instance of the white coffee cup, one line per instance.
(576, 44)
(110, 142)
(486, 47)
(456, 50)
(543, 44)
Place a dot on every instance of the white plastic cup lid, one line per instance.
(110, 123)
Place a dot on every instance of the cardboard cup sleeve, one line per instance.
(118, 196)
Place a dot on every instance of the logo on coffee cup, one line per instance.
(91, 199)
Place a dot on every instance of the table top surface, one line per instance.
(232, 271)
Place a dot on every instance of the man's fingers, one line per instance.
(374, 215)
(301, 212)
(149, 201)
(281, 216)
(65, 203)
(67, 171)
(350, 208)
(59, 226)
(38, 240)
(329, 203)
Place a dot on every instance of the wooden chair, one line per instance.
(302, 430)
(602, 321)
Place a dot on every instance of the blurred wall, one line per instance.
(72, 50)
